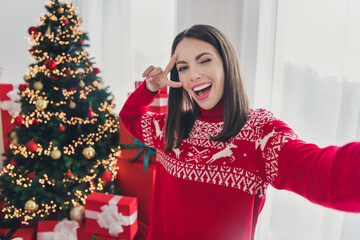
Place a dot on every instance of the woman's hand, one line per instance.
(156, 78)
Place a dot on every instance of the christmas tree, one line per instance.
(65, 142)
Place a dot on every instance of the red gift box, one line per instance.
(111, 215)
(133, 181)
(126, 139)
(83, 235)
(51, 229)
(159, 105)
(23, 233)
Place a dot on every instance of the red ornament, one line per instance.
(81, 43)
(36, 121)
(61, 128)
(50, 64)
(68, 71)
(96, 70)
(54, 78)
(22, 87)
(33, 31)
(31, 50)
(19, 120)
(65, 21)
(106, 176)
(13, 162)
(31, 146)
(69, 174)
(90, 113)
(31, 175)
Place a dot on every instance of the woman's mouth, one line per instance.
(202, 91)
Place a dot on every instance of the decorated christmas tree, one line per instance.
(65, 142)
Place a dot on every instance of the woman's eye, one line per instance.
(182, 69)
(205, 61)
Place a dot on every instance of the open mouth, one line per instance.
(203, 90)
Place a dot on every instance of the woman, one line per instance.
(216, 157)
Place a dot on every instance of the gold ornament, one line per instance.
(13, 135)
(77, 213)
(38, 85)
(72, 105)
(41, 104)
(81, 84)
(60, 10)
(88, 152)
(15, 140)
(27, 77)
(55, 154)
(31, 205)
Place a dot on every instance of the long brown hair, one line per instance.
(183, 111)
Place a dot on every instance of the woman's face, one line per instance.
(201, 71)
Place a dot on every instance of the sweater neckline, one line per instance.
(216, 114)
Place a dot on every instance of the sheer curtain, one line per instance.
(300, 59)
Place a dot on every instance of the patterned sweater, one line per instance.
(215, 190)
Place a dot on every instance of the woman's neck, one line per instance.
(216, 112)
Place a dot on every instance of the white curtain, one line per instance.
(300, 59)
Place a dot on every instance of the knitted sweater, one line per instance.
(215, 190)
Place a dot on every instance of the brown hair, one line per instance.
(183, 111)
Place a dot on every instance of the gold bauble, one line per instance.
(15, 140)
(77, 213)
(41, 104)
(55, 154)
(38, 85)
(13, 135)
(31, 205)
(72, 105)
(88, 152)
(60, 10)
(81, 84)
(27, 77)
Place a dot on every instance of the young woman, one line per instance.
(216, 157)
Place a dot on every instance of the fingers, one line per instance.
(147, 71)
(171, 64)
(173, 84)
(156, 71)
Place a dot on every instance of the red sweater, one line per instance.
(216, 190)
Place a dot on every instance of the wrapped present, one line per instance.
(131, 148)
(83, 235)
(111, 215)
(20, 233)
(53, 230)
(133, 181)
(159, 105)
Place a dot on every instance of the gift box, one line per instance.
(20, 233)
(53, 230)
(133, 149)
(111, 215)
(83, 235)
(133, 181)
(159, 105)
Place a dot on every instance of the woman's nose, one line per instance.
(195, 75)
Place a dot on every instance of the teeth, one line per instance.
(202, 87)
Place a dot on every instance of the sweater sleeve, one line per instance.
(327, 176)
(148, 127)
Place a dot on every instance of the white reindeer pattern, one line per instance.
(262, 142)
(226, 152)
(157, 129)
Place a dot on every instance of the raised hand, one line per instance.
(156, 78)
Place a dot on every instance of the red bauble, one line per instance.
(61, 128)
(31, 146)
(36, 121)
(106, 176)
(31, 175)
(96, 70)
(81, 43)
(68, 71)
(65, 21)
(90, 113)
(33, 31)
(19, 120)
(54, 78)
(22, 87)
(50, 64)
(69, 174)
(13, 162)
